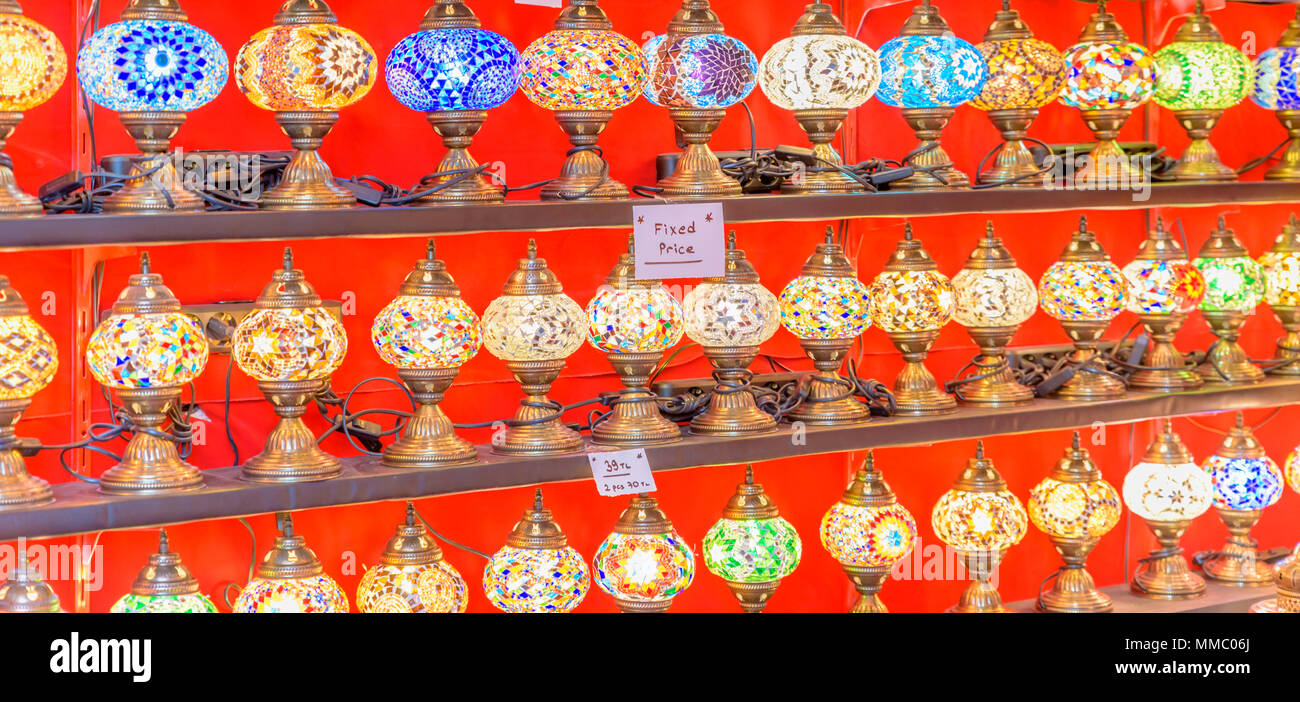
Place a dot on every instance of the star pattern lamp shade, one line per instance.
(1277, 88)
(752, 547)
(1164, 287)
(32, 67)
(644, 563)
(29, 359)
(412, 576)
(291, 580)
(1235, 285)
(1245, 481)
(164, 586)
(536, 571)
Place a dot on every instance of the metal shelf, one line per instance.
(1218, 598)
(69, 231)
(79, 508)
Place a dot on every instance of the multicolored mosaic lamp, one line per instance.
(1277, 88)
(644, 563)
(633, 322)
(1075, 507)
(1025, 75)
(24, 592)
(826, 308)
(28, 361)
(164, 586)
(291, 580)
(583, 71)
(1167, 490)
(1282, 292)
(454, 71)
(1234, 288)
(820, 73)
(152, 68)
(697, 72)
(147, 351)
(752, 547)
(1085, 291)
(981, 519)
(33, 69)
(1245, 481)
(912, 301)
(868, 532)
(428, 332)
(536, 572)
(290, 344)
(1164, 287)
(928, 72)
(412, 576)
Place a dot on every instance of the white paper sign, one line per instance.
(540, 3)
(621, 472)
(679, 241)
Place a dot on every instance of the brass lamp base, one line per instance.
(1288, 167)
(1165, 370)
(1167, 575)
(916, 392)
(1074, 589)
(642, 606)
(1107, 167)
(698, 173)
(635, 420)
(585, 174)
(1288, 346)
(1227, 363)
(1200, 162)
(13, 202)
(150, 464)
(536, 429)
(980, 597)
(830, 399)
(868, 580)
(307, 183)
(999, 387)
(753, 597)
(429, 440)
(928, 124)
(821, 127)
(18, 488)
(291, 454)
(732, 410)
(1015, 160)
(1237, 563)
(1086, 385)
(457, 129)
(161, 191)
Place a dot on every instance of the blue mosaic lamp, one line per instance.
(454, 71)
(1245, 481)
(1277, 88)
(152, 68)
(928, 72)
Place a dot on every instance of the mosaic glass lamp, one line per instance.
(28, 361)
(1277, 88)
(1075, 507)
(164, 586)
(1282, 292)
(32, 70)
(697, 72)
(536, 572)
(23, 591)
(827, 308)
(1025, 75)
(1084, 291)
(928, 72)
(412, 576)
(148, 351)
(152, 68)
(644, 563)
(583, 71)
(868, 532)
(820, 73)
(1235, 286)
(981, 519)
(1167, 490)
(291, 580)
(454, 71)
(1245, 481)
(752, 547)
(427, 332)
(1164, 287)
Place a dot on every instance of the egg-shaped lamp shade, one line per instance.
(644, 567)
(1163, 492)
(912, 301)
(993, 297)
(1109, 76)
(1163, 287)
(583, 69)
(1070, 510)
(1234, 284)
(698, 71)
(133, 351)
(164, 604)
(311, 67)
(819, 72)
(148, 65)
(919, 72)
(536, 581)
(403, 589)
(29, 357)
(1025, 73)
(868, 536)
(1083, 291)
(752, 550)
(1293, 469)
(1281, 278)
(731, 314)
(636, 320)
(824, 307)
(533, 327)
(462, 68)
(290, 344)
(419, 332)
(979, 521)
(1198, 75)
(1277, 79)
(315, 594)
(32, 63)
(1244, 483)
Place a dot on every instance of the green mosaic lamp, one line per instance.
(1234, 287)
(752, 547)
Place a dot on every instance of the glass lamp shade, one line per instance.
(698, 71)
(163, 349)
(824, 307)
(911, 301)
(1234, 284)
(1068, 510)
(289, 344)
(1293, 469)
(752, 550)
(1083, 291)
(1024, 73)
(1197, 75)
(534, 327)
(930, 71)
(979, 521)
(1277, 79)
(422, 332)
(993, 297)
(1162, 492)
(316, 594)
(1109, 76)
(1281, 279)
(32, 63)
(403, 589)
(819, 72)
(1163, 287)
(869, 537)
(164, 604)
(148, 65)
(315, 67)
(638, 320)
(1244, 483)
(453, 69)
(731, 314)
(583, 69)
(644, 567)
(524, 580)
(28, 357)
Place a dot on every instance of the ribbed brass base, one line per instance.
(1237, 563)
(1288, 165)
(1074, 590)
(526, 435)
(999, 388)
(980, 597)
(753, 597)
(291, 454)
(1200, 162)
(698, 173)
(635, 419)
(642, 606)
(1088, 385)
(867, 580)
(150, 464)
(162, 191)
(13, 201)
(916, 392)
(830, 400)
(1227, 363)
(1288, 346)
(821, 126)
(457, 129)
(1107, 166)
(1167, 575)
(1166, 372)
(732, 410)
(429, 440)
(585, 174)
(307, 183)
(18, 488)
(1015, 160)
(928, 124)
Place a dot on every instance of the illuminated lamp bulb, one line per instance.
(427, 332)
(29, 359)
(1167, 490)
(290, 344)
(291, 580)
(644, 563)
(868, 532)
(697, 72)
(1235, 285)
(536, 572)
(633, 322)
(1164, 287)
(1277, 88)
(981, 519)
(1075, 507)
(24, 592)
(1282, 292)
(148, 351)
(534, 327)
(1245, 481)
(164, 586)
(752, 547)
(1084, 291)
(912, 301)
(411, 576)
(33, 68)
(152, 68)
(820, 73)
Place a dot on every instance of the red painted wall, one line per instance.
(379, 136)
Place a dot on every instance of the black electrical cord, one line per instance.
(435, 532)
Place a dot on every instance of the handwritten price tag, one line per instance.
(621, 472)
(679, 241)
